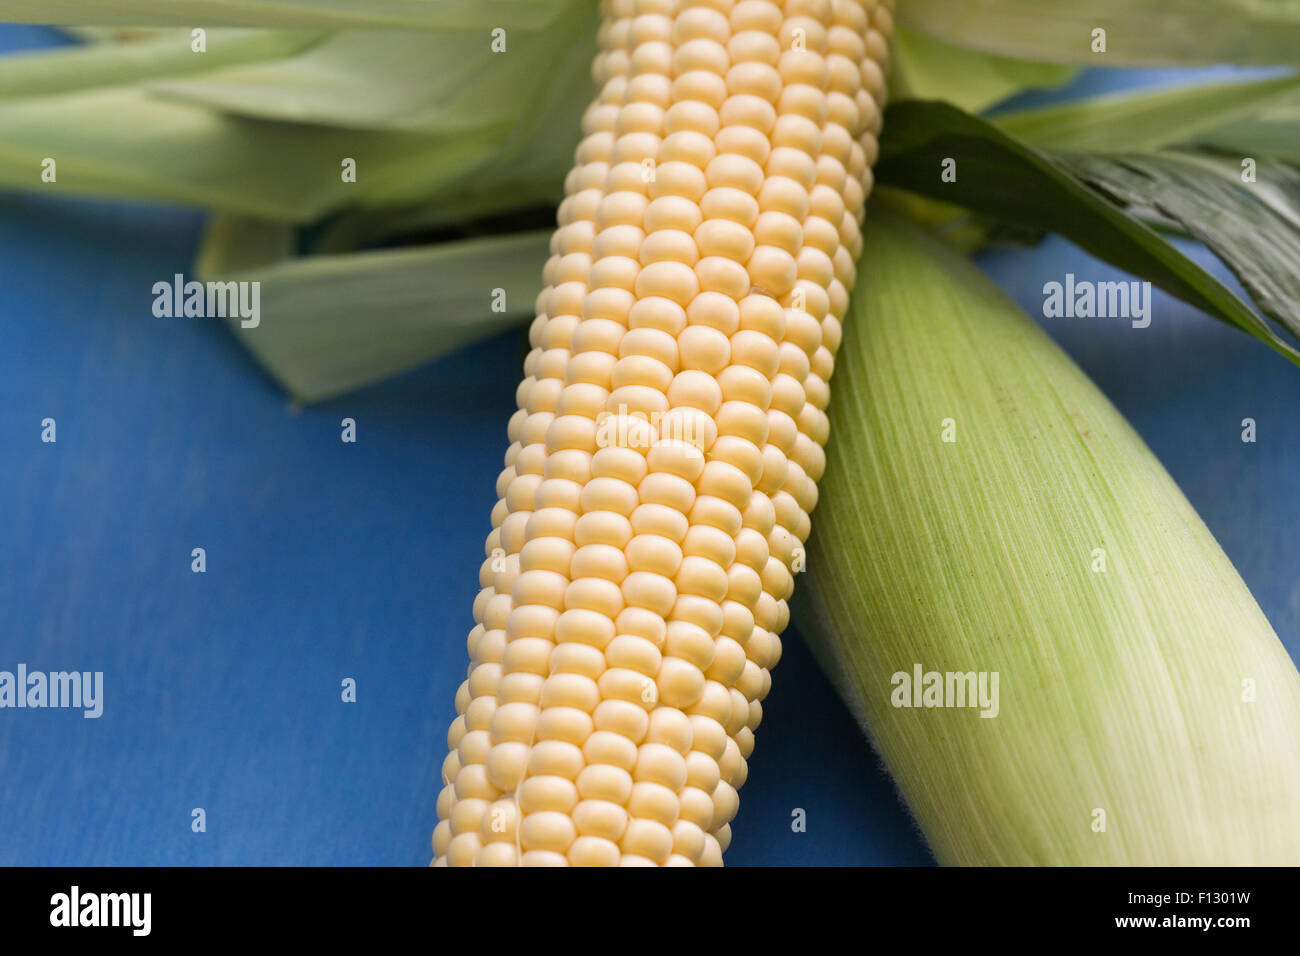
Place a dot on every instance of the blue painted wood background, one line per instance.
(328, 560)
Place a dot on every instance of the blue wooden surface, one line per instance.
(329, 560)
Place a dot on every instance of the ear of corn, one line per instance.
(1147, 713)
(669, 436)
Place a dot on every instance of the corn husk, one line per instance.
(1134, 32)
(1147, 713)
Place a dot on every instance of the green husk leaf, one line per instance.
(1014, 183)
(1277, 183)
(233, 244)
(1273, 130)
(125, 141)
(1118, 691)
(1255, 234)
(1147, 119)
(371, 14)
(45, 72)
(121, 142)
(956, 226)
(926, 68)
(1138, 32)
(422, 81)
(330, 324)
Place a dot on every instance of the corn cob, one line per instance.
(635, 587)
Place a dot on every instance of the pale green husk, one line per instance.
(342, 322)
(1137, 32)
(1120, 691)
